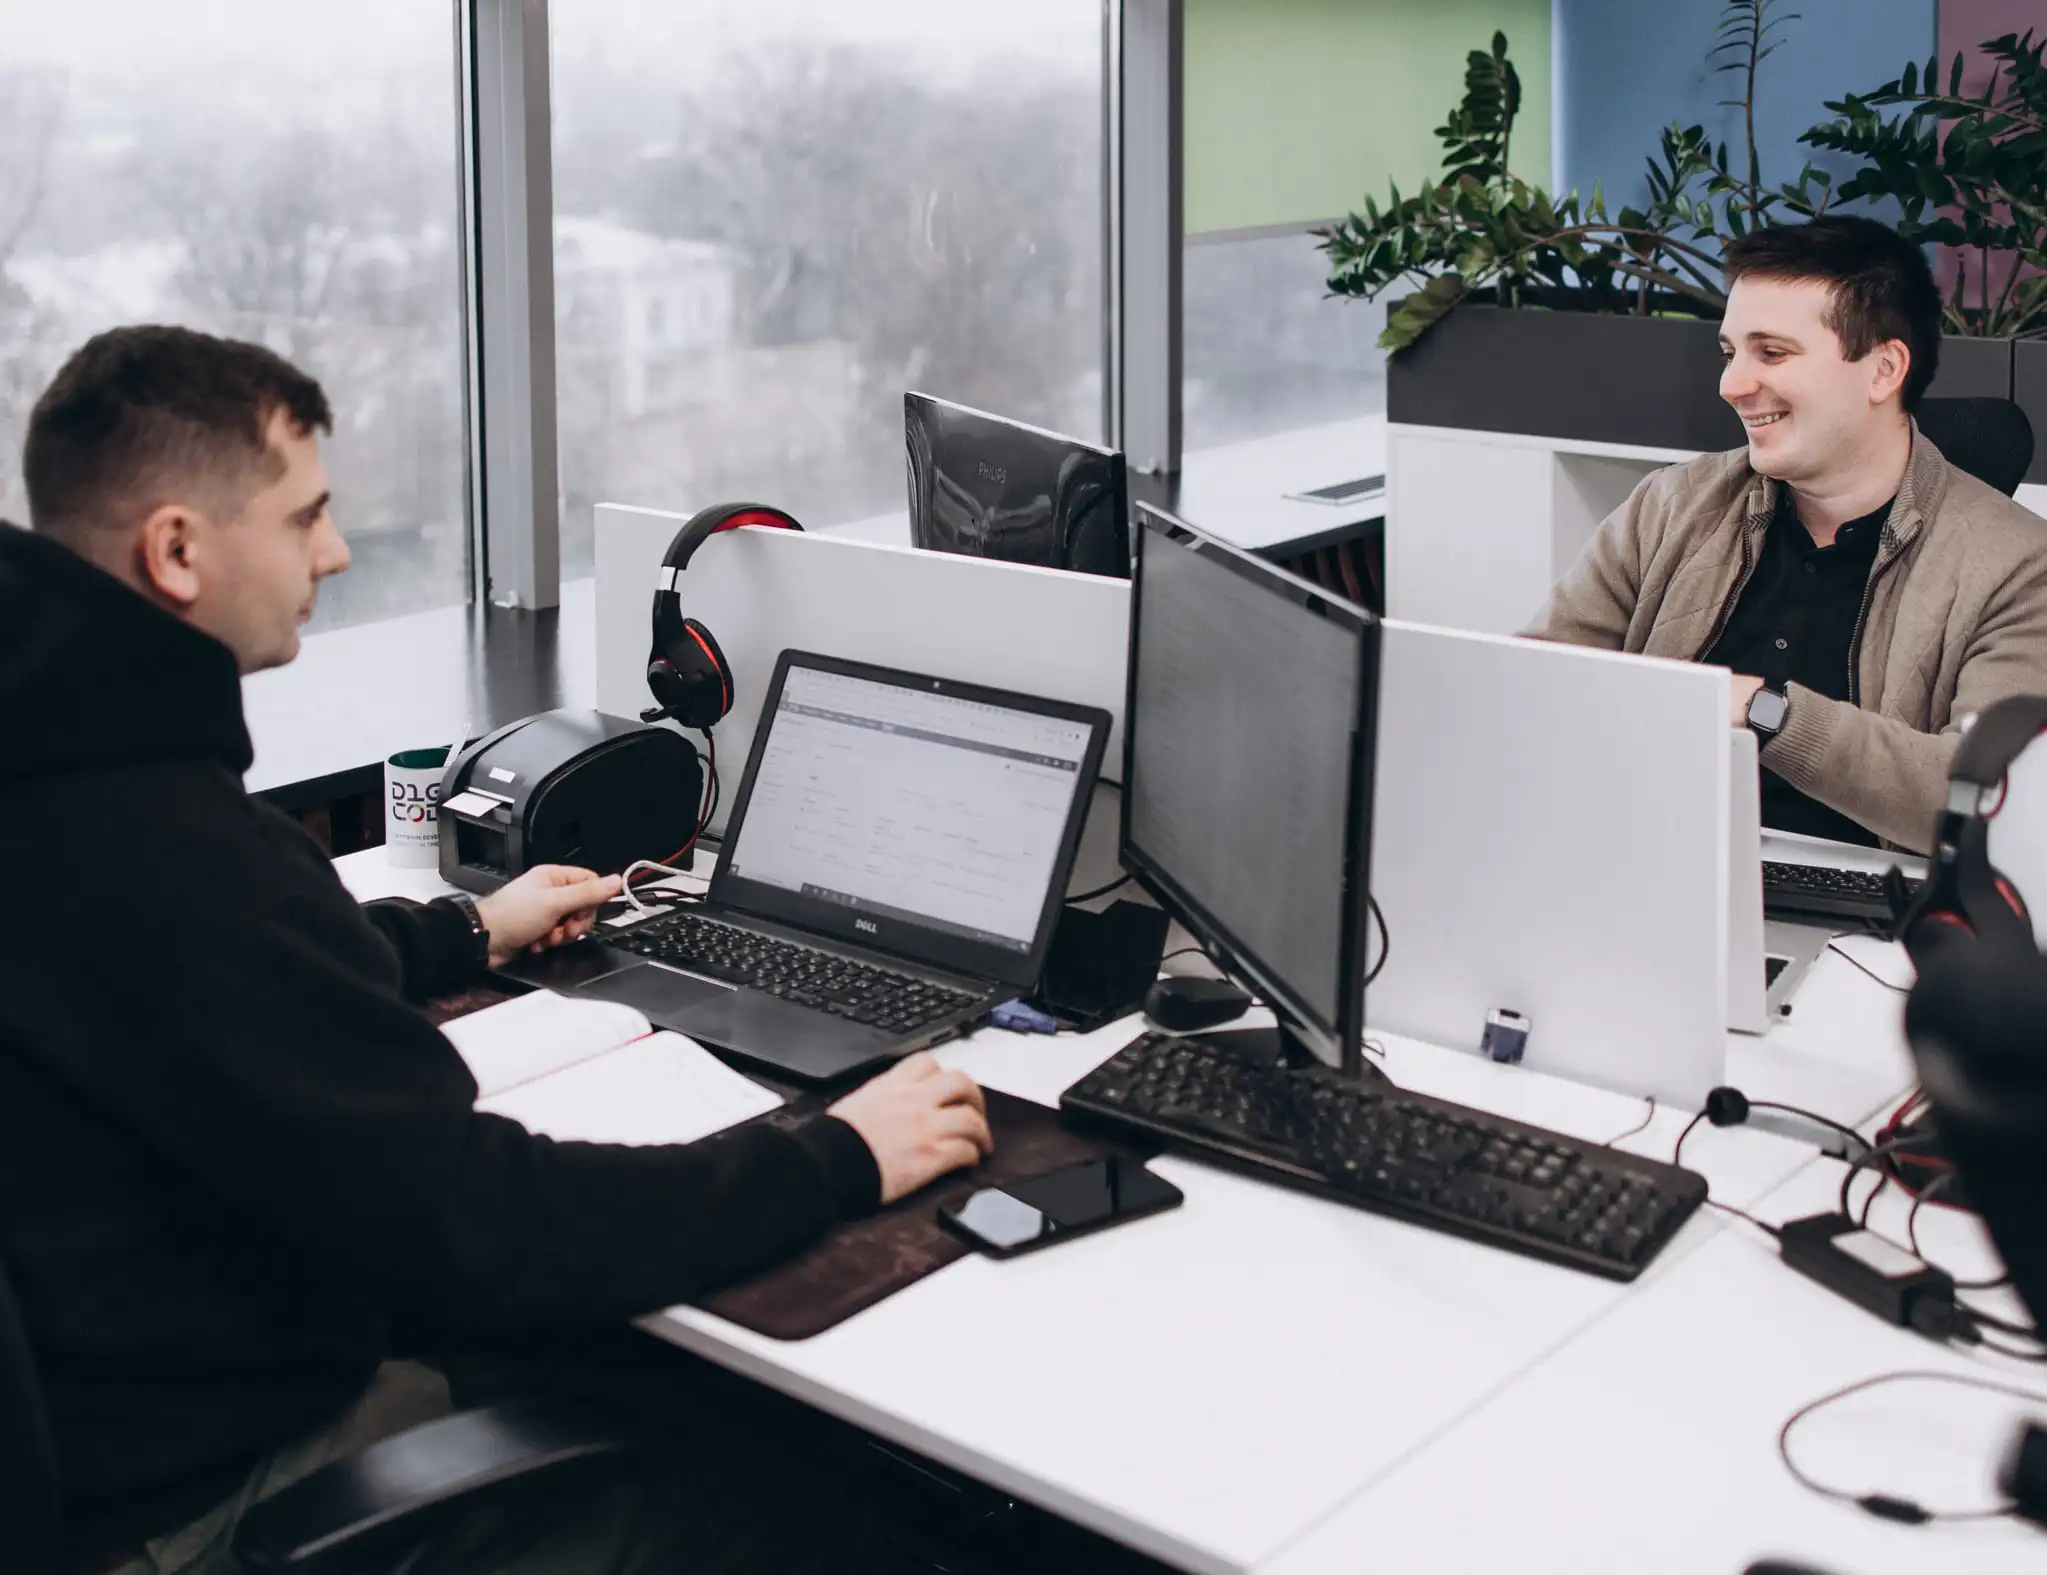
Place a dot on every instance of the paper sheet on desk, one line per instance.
(534, 1035)
(660, 1089)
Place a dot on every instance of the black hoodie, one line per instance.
(231, 1155)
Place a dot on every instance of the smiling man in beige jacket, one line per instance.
(1868, 596)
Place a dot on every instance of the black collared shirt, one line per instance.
(1795, 623)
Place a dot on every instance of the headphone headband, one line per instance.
(701, 526)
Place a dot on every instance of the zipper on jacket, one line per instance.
(1748, 568)
(1861, 620)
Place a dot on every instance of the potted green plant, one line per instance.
(1534, 314)
(1969, 171)
(1620, 345)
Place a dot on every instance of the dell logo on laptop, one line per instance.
(867, 926)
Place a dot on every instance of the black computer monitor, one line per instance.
(1248, 740)
(988, 487)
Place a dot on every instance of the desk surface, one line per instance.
(1230, 1385)
(1649, 1442)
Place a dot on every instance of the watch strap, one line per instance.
(479, 932)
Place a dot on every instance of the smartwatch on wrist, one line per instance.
(1767, 709)
(479, 932)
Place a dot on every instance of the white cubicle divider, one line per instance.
(1480, 525)
(1551, 824)
(1550, 836)
(1748, 984)
(762, 591)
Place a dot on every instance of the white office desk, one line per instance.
(1650, 1441)
(1211, 1385)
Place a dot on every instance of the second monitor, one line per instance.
(988, 487)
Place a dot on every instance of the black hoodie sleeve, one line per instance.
(431, 941)
(278, 1066)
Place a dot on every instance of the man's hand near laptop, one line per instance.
(548, 906)
(920, 1120)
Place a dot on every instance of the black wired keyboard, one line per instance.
(897, 1002)
(1814, 891)
(1378, 1147)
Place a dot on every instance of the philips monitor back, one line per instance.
(987, 487)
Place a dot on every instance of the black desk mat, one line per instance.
(866, 1261)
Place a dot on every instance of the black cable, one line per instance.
(1385, 940)
(1901, 989)
(1109, 782)
(1927, 1194)
(1888, 1506)
(1181, 951)
(1742, 1214)
(1874, 1155)
(1100, 891)
(1639, 1126)
(1677, 1154)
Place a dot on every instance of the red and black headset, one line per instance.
(1963, 894)
(686, 672)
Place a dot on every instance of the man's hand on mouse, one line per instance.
(920, 1121)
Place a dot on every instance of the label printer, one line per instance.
(567, 787)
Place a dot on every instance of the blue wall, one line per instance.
(1624, 69)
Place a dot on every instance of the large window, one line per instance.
(772, 219)
(283, 173)
(1265, 348)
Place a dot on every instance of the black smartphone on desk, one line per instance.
(1026, 1215)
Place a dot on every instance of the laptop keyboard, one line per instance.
(893, 1002)
(1818, 891)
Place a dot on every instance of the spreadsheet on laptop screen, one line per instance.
(925, 806)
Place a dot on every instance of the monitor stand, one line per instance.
(1280, 1046)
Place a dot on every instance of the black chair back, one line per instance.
(1989, 438)
(31, 1530)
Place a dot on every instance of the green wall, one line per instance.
(1295, 108)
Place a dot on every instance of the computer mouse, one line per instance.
(1188, 1003)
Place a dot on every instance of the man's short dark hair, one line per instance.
(144, 416)
(1882, 287)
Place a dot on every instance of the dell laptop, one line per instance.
(892, 869)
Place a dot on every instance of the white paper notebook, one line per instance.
(596, 1072)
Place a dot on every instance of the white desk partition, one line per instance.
(762, 591)
(1550, 834)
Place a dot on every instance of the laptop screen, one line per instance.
(885, 801)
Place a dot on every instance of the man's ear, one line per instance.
(167, 550)
(1892, 364)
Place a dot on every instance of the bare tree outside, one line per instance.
(850, 219)
(293, 186)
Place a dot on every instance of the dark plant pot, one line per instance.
(1972, 369)
(2029, 388)
(1649, 381)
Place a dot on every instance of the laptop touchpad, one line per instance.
(661, 993)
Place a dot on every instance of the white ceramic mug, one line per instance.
(412, 797)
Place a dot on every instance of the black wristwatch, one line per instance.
(1767, 709)
(479, 932)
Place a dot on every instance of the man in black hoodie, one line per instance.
(233, 1156)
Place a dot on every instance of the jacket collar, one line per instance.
(1919, 494)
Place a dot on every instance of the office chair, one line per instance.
(378, 1510)
(1989, 438)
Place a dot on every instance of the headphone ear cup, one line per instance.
(703, 681)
